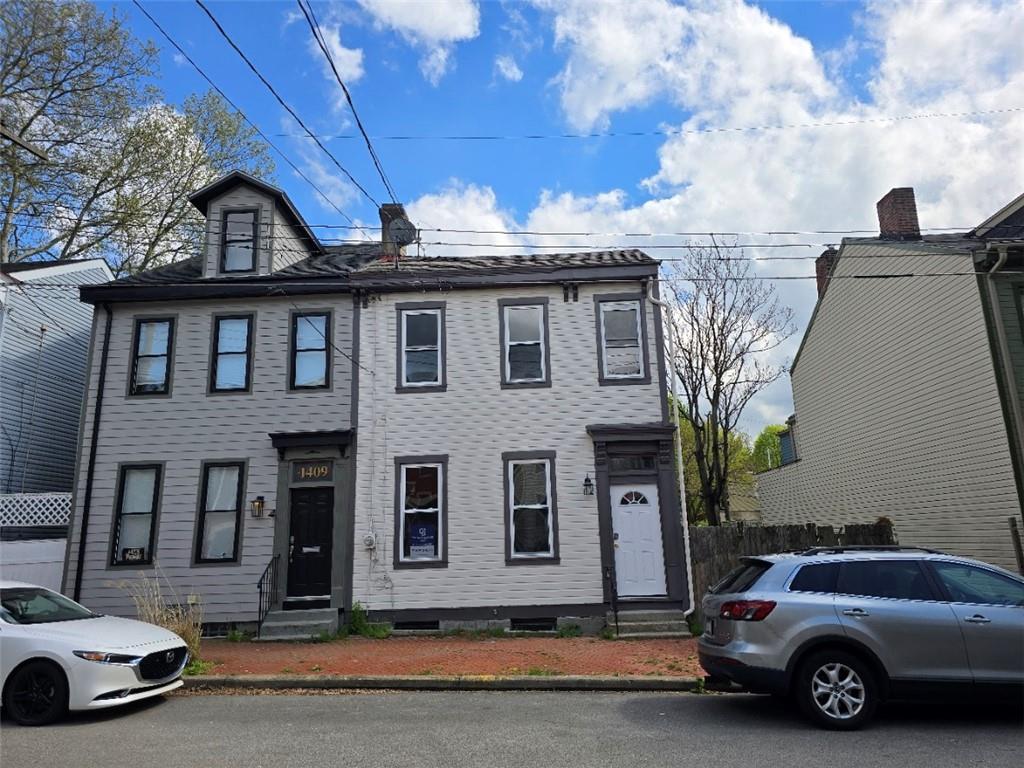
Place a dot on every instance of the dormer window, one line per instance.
(238, 241)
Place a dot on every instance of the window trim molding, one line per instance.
(200, 523)
(545, 340)
(293, 329)
(211, 388)
(507, 460)
(440, 459)
(112, 562)
(645, 373)
(417, 306)
(133, 363)
(256, 211)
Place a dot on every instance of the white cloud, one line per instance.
(433, 27)
(349, 61)
(728, 64)
(507, 67)
(179, 59)
(463, 206)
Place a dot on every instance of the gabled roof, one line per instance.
(24, 271)
(201, 200)
(1006, 223)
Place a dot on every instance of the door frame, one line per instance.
(342, 453)
(650, 440)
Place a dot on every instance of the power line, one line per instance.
(47, 315)
(284, 104)
(241, 114)
(314, 27)
(671, 131)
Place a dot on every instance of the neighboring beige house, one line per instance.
(908, 387)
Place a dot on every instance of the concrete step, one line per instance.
(650, 626)
(304, 614)
(655, 636)
(625, 614)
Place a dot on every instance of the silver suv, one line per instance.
(841, 629)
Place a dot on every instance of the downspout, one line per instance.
(91, 468)
(678, 439)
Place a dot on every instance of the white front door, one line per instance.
(639, 550)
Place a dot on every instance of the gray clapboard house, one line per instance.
(908, 390)
(44, 343)
(284, 429)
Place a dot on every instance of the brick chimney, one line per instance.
(823, 266)
(897, 215)
(389, 248)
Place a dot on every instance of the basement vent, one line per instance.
(532, 625)
(421, 625)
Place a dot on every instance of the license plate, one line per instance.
(709, 627)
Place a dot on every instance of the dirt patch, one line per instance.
(443, 656)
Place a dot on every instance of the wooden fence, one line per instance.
(716, 549)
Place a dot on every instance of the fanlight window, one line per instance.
(633, 497)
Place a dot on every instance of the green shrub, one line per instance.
(569, 630)
(238, 636)
(359, 624)
(607, 634)
(197, 667)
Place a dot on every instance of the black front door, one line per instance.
(309, 548)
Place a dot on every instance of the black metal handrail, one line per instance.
(613, 587)
(268, 591)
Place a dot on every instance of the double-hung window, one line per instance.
(621, 332)
(420, 511)
(238, 241)
(524, 343)
(531, 515)
(311, 357)
(220, 512)
(421, 350)
(151, 357)
(134, 529)
(231, 367)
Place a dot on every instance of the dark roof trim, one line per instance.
(378, 281)
(235, 289)
(266, 285)
(630, 432)
(316, 439)
(201, 200)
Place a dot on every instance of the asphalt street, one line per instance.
(509, 729)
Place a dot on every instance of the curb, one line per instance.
(466, 683)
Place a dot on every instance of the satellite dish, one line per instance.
(401, 231)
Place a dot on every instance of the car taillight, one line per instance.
(746, 610)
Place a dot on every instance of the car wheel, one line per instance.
(36, 693)
(837, 690)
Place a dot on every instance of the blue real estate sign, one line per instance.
(423, 541)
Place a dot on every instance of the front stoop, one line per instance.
(650, 624)
(298, 625)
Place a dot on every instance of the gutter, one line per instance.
(91, 468)
(678, 438)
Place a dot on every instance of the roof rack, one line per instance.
(866, 548)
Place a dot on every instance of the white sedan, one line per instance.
(56, 655)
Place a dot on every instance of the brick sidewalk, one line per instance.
(457, 656)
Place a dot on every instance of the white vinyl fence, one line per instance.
(26, 552)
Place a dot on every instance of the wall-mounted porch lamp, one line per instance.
(257, 506)
(588, 486)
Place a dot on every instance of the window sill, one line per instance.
(533, 560)
(137, 564)
(526, 384)
(624, 381)
(426, 388)
(411, 565)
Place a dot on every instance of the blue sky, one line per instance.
(574, 66)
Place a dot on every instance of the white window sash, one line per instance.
(620, 305)
(539, 343)
(406, 349)
(512, 507)
(403, 512)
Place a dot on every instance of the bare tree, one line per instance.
(725, 323)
